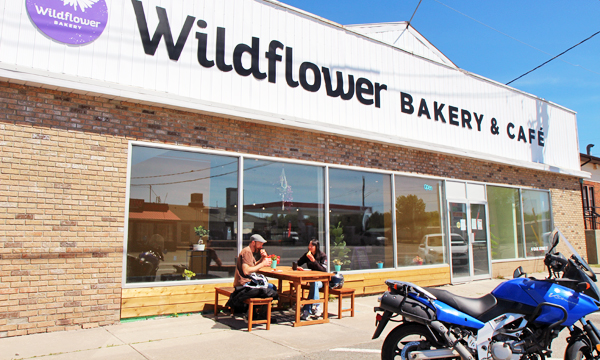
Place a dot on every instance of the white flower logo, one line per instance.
(83, 4)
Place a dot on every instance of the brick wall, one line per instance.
(62, 192)
(596, 203)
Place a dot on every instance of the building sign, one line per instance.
(263, 61)
(74, 22)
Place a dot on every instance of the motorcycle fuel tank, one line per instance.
(533, 292)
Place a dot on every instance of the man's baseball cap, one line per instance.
(257, 238)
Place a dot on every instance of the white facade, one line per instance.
(116, 66)
(594, 170)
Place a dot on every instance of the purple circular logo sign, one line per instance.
(74, 22)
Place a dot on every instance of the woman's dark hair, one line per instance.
(317, 246)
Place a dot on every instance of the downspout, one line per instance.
(587, 148)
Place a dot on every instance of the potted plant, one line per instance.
(274, 261)
(203, 234)
(339, 250)
(379, 264)
(417, 260)
(337, 264)
(188, 274)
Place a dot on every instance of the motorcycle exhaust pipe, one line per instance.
(451, 340)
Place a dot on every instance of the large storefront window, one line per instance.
(506, 228)
(360, 215)
(537, 220)
(179, 199)
(418, 221)
(172, 193)
(284, 203)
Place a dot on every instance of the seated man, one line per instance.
(246, 262)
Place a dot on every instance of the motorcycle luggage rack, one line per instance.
(406, 286)
(405, 289)
(538, 309)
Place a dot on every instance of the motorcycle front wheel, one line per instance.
(578, 350)
(404, 339)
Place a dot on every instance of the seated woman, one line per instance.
(315, 260)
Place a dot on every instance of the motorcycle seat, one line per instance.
(470, 306)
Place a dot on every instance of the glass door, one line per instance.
(469, 245)
(479, 240)
(460, 254)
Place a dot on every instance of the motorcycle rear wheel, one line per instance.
(405, 338)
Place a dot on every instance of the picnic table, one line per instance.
(296, 278)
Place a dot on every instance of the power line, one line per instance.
(202, 178)
(513, 38)
(413, 15)
(408, 23)
(185, 172)
(574, 46)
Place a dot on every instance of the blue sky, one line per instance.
(525, 34)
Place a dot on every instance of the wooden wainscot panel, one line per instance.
(372, 283)
(191, 307)
(145, 301)
(148, 311)
(375, 289)
(165, 300)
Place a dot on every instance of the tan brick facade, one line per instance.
(63, 188)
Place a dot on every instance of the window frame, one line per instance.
(241, 157)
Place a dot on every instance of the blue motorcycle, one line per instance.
(517, 320)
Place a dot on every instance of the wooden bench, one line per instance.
(340, 293)
(228, 290)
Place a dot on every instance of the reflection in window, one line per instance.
(506, 230)
(360, 211)
(285, 204)
(173, 192)
(537, 220)
(418, 221)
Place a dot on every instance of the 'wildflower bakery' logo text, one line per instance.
(74, 22)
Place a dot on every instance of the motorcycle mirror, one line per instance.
(555, 239)
(519, 272)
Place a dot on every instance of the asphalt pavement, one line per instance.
(198, 336)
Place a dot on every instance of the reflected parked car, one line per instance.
(371, 237)
(294, 237)
(431, 249)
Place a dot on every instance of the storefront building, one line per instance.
(127, 126)
(590, 191)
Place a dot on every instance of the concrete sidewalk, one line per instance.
(199, 337)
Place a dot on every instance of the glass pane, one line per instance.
(459, 233)
(418, 221)
(506, 230)
(285, 204)
(360, 205)
(173, 192)
(481, 264)
(537, 220)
